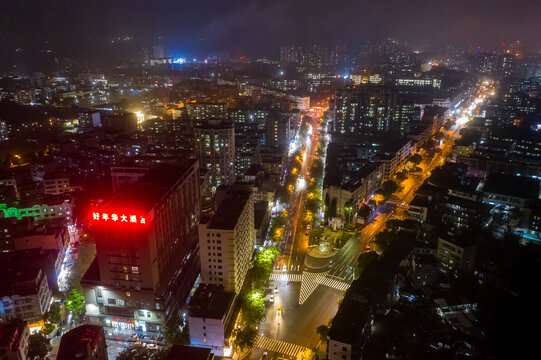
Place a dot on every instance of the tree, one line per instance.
(364, 211)
(401, 176)
(308, 354)
(394, 224)
(140, 352)
(315, 235)
(175, 336)
(415, 159)
(53, 315)
(364, 260)
(313, 205)
(244, 338)
(322, 331)
(47, 328)
(75, 301)
(38, 346)
(283, 195)
(383, 238)
(429, 144)
(317, 169)
(253, 308)
(348, 210)
(389, 187)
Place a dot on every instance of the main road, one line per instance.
(295, 242)
(344, 261)
(290, 326)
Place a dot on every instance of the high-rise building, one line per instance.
(226, 239)
(290, 53)
(200, 110)
(146, 250)
(373, 109)
(516, 49)
(215, 148)
(278, 130)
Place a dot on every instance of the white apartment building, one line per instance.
(226, 239)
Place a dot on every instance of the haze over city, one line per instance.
(270, 180)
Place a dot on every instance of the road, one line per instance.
(344, 261)
(285, 334)
(295, 240)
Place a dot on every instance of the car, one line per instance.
(264, 356)
(276, 290)
(307, 231)
(367, 247)
(271, 299)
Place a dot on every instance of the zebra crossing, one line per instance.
(336, 284)
(310, 281)
(281, 347)
(286, 277)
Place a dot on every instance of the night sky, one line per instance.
(260, 27)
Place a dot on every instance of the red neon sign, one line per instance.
(118, 217)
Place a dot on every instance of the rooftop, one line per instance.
(232, 202)
(210, 301)
(517, 186)
(10, 334)
(76, 343)
(145, 193)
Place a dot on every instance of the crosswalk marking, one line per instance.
(339, 285)
(281, 347)
(310, 282)
(286, 277)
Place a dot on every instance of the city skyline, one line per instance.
(259, 28)
(284, 180)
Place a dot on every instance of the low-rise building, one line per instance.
(418, 208)
(50, 208)
(24, 293)
(456, 252)
(209, 318)
(510, 190)
(14, 340)
(86, 342)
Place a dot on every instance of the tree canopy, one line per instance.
(75, 301)
(140, 352)
(38, 346)
(244, 338)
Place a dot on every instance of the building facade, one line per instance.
(147, 259)
(226, 239)
(215, 148)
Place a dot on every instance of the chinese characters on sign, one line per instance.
(118, 217)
